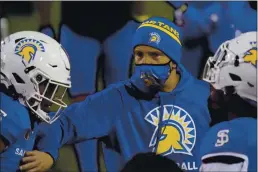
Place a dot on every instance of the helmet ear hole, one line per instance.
(39, 78)
(235, 77)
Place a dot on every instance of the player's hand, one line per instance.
(36, 161)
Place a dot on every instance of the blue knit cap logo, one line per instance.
(154, 37)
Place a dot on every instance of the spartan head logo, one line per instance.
(154, 37)
(251, 57)
(177, 133)
(27, 49)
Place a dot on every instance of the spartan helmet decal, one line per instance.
(251, 56)
(27, 49)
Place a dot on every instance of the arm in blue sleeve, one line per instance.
(92, 118)
(9, 126)
(9, 130)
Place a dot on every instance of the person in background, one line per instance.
(195, 27)
(232, 145)
(206, 25)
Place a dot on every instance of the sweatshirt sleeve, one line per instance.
(92, 118)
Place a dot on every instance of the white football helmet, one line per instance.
(38, 68)
(235, 64)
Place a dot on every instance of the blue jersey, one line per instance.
(235, 138)
(171, 124)
(16, 129)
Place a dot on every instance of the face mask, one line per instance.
(148, 77)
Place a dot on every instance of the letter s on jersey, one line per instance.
(222, 138)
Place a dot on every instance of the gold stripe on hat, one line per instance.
(163, 30)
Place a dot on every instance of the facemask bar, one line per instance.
(40, 97)
(59, 101)
(214, 63)
(52, 116)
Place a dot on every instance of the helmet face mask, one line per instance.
(235, 65)
(214, 64)
(48, 95)
(39, 70)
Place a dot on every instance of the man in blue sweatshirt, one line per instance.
(162, 108)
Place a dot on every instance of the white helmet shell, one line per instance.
(30, 58)
(235, 64)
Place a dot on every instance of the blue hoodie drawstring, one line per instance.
(159, 130)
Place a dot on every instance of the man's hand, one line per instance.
(35, 161)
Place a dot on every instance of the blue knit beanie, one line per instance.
(162, 34)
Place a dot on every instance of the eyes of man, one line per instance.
(151, 56)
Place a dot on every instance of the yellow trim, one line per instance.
(164, 30)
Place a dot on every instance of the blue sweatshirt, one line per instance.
(171, 124)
